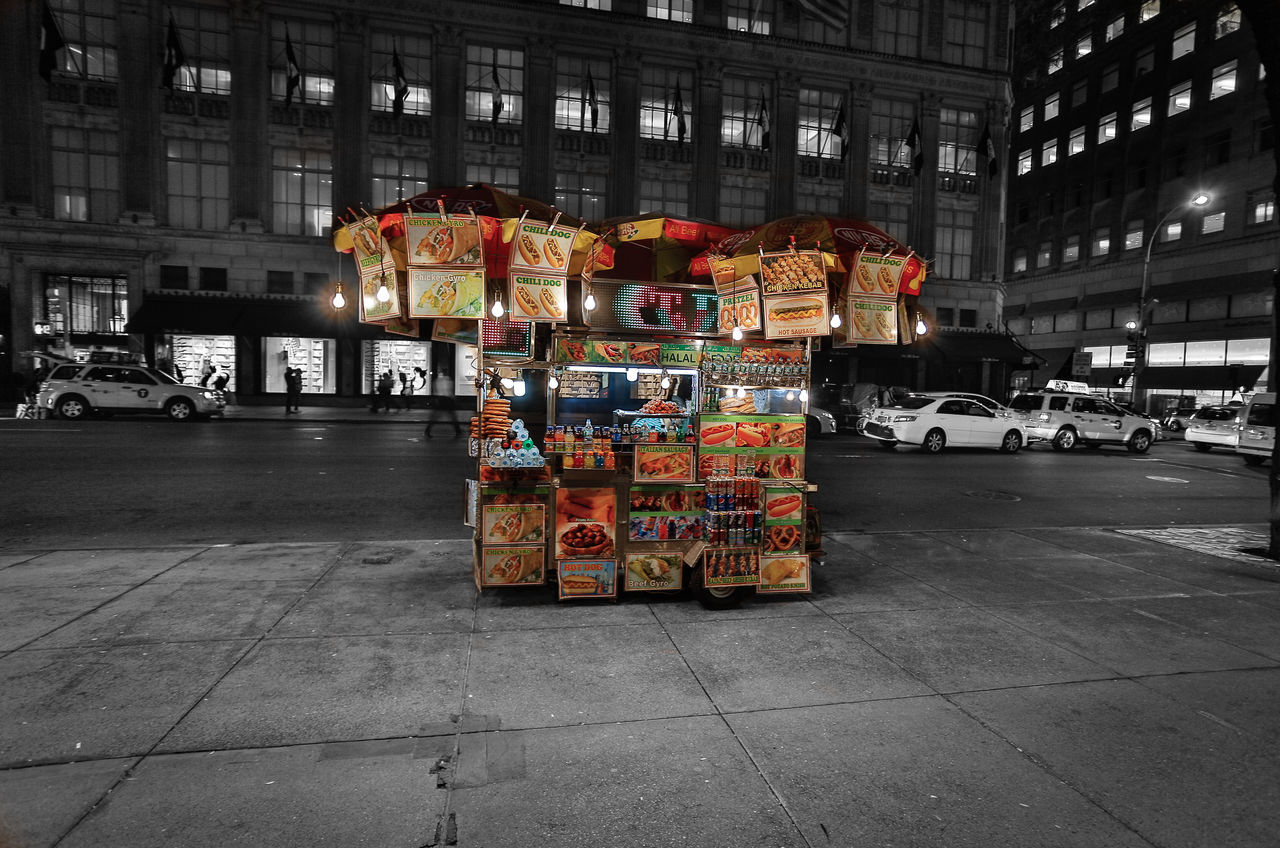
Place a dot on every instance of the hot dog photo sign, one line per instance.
(873, 321)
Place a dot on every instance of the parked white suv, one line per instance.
(1065, 419)
(74, 391)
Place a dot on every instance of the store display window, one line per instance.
(191, 358)
(315, 357)
(399, 356)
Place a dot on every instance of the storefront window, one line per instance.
(191, 358)
(316, 358)
(399, 356)
(1165, 353)
(1248, 350)
(464, 370)
(1206, 353)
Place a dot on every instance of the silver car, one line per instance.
(74, 391)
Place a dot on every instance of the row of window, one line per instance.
(1183, 42)
(1215, 308)
(1169, 354)
(1261, 210)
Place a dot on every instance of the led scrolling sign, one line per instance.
(654, 308)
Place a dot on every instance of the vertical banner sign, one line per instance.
(539, 270)
(446, 266)
(740, 306)
(376, 270)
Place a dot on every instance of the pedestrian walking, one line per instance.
(441, 403)
(383, 397)
(292, 390)
(406, 392)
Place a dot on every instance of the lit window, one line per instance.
(889, 127)
(818, 114)
(199, 183)
(89, 30)
(85, 166)
(1058, 15)
(205, 35)
(1101, 243)
(1051, 105)
(1133, 235)
(754, 16)
(744, 115)
(301, 191)
(1213, 222)
(1084, 45)
(1024, 162)
(415, 62)
(1044, 256)
(1019, 260)
(964, 34)
(666, 98)
(1115, 27)
(582, 94)
(312, 43)
(1148, 10)
(1027, 119)
(1110, 78)
(1172, 231)
(680, 11)
(1141, 114)
(1071, 251)
(1075, 144)
(954, 242)
(602, 5)
(1180, 98)
(1107, 128)
(957, 141)
(1184, 41)
(1224, 80)
(1049, 152)
(1261, 206)
(1228, 21)
(1055, 61)
(495, 84)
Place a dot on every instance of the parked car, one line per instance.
(935, 423)
(994, 405)
(74, 391)
(1257, 428)
(1066, 419)
(1213, 427)
(819, 422)
(1178, 419)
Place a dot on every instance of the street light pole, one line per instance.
(1140, 325)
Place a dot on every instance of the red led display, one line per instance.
(506, 338)
(654, 308)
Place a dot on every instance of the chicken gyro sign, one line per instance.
(445, 258)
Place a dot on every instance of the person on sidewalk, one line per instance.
(406, 392)
(442, 402)
(292, 390)
(383, 397)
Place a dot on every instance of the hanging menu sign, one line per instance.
(796, 317)
(378, 276)
(792, 271)
(873, 320)
(539, 270)
(740, 306)
(886, 275)
(446, 266)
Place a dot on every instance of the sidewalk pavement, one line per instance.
(1071, 687)
(330, 409)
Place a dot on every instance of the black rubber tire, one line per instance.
(934, 441)
(714, 597)
(1011, 442)
(73, 408)
(1201, 446)
(886, 445)
(180, 409)
(1066, 439)
(1140, 441)
(1250, 459)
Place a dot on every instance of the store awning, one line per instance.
(1253, 281)
(204, 315)
(236, 317)
(977, 347)
(1203, 377)
(1054, 361)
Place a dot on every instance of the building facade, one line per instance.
(1142, 227)
(171, 173)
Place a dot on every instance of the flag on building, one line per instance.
(913, 144)
(762, 121)
(401, 85)
(840, 130)
(174, 56)
(293, 73)
(987, 150)
(51, 42)
(498, 105)
(681, 127)
(833, 13)
(592, 102)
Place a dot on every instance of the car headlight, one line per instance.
(209, 395)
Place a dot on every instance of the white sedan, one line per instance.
(1213, 427)
(935, 423)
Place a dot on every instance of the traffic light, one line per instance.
(1136, 351)
(1120, 379)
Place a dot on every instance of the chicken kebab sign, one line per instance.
(539, 270)
(446, 266)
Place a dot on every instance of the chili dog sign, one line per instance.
(873, 321)
(538, 270)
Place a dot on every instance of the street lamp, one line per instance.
(1139, 327)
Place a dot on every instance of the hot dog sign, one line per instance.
(873, 321)
(538, 270)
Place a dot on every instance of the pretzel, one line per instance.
(782, 537)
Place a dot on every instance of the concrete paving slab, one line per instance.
(1219, 574)
(538, 608)
(181, 612)
(300, 691)
(1243, 701)
(877, 587)
(1269, 599)
(437, 559)
(956, 650)
(29, 612)
(991, 582)
(371, 605)
(38, 805)
(788, 662)
(78, 704)
(687, 609)
(899, 548)
(916, 773)
(378, 794)
(1097, 577)
(1099, 541)
(8, 558)
(570, 676)
(1121, 638)
(683, 781)
(236, 563)
(999, 544)
(94, 567)
(1176, 777)
(1234, 620)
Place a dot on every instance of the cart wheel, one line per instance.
(715, 597)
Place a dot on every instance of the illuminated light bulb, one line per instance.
(666, 381)
(737, 334)
(508, 383)
(698, 342)
(921, 327)
(835, 321)
(742, 391)
(520, 388)
(384, 293)
(339, 301)
(791, 395)
(590, 303)
(496, 310)
(553, 382)
(632, 375)
(804, 395)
